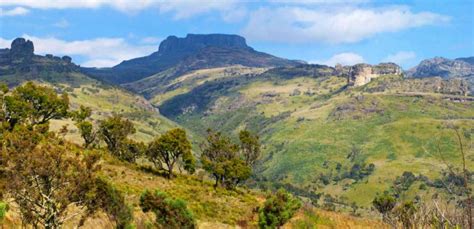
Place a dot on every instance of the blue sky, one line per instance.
(103, 33)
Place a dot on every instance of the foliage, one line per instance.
(384, 204)
(3, 210)
(85, 127)
(114, 132)
(278, 209)
(47, 178)
(169, 148)
(249, 146)
(220, 157)
(105, 196)
(170, 213)
(32, 105)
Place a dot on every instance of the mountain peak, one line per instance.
(194, 42)
(21, 47)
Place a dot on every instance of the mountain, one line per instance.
(469, 60)
(443, 67)
(462, 68)
(195, 51)
(338, 131)
(19, 64)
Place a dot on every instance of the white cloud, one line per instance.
(346, 58)
(150, 40)
(334, 24)
(401, 57)
(180, 8)
(17, 11)
(63, 23)
(98, 52)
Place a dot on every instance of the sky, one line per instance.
(102, 33)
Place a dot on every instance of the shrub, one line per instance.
(170, 213)
(3, 210)
(278, 209)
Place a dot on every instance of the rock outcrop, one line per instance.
(20, 58)
(443, 67)
(21, 48)
(361, 74)
(194, 42)
(193, 52)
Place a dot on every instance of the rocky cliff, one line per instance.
(442, 67)
(361, 74)
(20, 59)
(195, 51)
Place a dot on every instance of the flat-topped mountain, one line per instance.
(195, 51)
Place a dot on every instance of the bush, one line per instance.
(278, 209)
(3, 210)
(170, 213)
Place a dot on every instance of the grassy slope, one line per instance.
(306, 134)
(104, 100)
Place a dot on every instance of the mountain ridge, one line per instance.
(194, 48)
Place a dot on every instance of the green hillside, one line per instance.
(310, 125)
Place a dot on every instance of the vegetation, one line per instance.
(114, 131)
(169, 148)
(46, 175)
(278, 209)
(170, 213)
(222, 159)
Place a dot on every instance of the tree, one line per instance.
(278, 209)
(169, 148)
(85, 127)
(106, 197)
(114, 132)
(47, 178)
(220, 157)
(249, 146)
(170, 213)
(34, 105)
(384, 204)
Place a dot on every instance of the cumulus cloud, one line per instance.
(98, 52)
(401, 57)
(332, 25)
(17, 11)
(346, 58)
(179, 8)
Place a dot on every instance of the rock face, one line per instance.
(361, 74)
(194, 42)
(21, 48)
(443, 67)
(20, 58)
(195, 51)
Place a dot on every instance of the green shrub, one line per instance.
(278, 209)
(170, 213)
(3, 210)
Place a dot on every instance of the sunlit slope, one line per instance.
(310, 125)
(103, 99)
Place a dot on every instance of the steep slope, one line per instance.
(310, 121)
(19, 64)
(446, 69)
(195, 51)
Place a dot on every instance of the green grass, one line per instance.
(396, 132)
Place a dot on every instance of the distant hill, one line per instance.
(444, 68)
(19, 64)
(462, 68)
(195, 51)
(469, 60)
